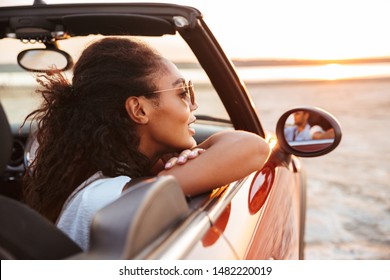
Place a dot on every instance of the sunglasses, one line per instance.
(188, 88)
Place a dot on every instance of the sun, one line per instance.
(333, 71)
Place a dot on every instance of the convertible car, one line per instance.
(261, 216)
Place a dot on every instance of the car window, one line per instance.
(17, 86)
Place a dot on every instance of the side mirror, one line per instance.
(44, 60)
(308, 132)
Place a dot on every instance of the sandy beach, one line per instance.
(348, 215)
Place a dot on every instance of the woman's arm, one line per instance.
(228, 156)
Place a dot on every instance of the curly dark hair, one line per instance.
(83, 127)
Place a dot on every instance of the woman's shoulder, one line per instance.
(91, 196)
(104, 189)
(97, 192)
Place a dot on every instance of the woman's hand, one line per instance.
(170, 160)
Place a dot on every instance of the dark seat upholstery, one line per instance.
(5, 140)
(25, 234)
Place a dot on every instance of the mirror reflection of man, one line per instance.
(300, 131)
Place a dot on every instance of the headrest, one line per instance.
(5, 140)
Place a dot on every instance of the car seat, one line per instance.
(5, 140)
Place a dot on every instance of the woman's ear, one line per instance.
(136, 109)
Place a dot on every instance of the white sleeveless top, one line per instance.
(81, 206)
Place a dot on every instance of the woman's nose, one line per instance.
(194, 106)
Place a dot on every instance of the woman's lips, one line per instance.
(190, 128)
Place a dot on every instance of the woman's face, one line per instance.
(170, 122)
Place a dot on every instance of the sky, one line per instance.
(301, 29)
(316, 29)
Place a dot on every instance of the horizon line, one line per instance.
(297, 62)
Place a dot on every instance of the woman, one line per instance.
(125, 111)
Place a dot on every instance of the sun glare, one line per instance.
(333, 71)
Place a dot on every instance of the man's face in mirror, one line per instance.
(301, 118)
